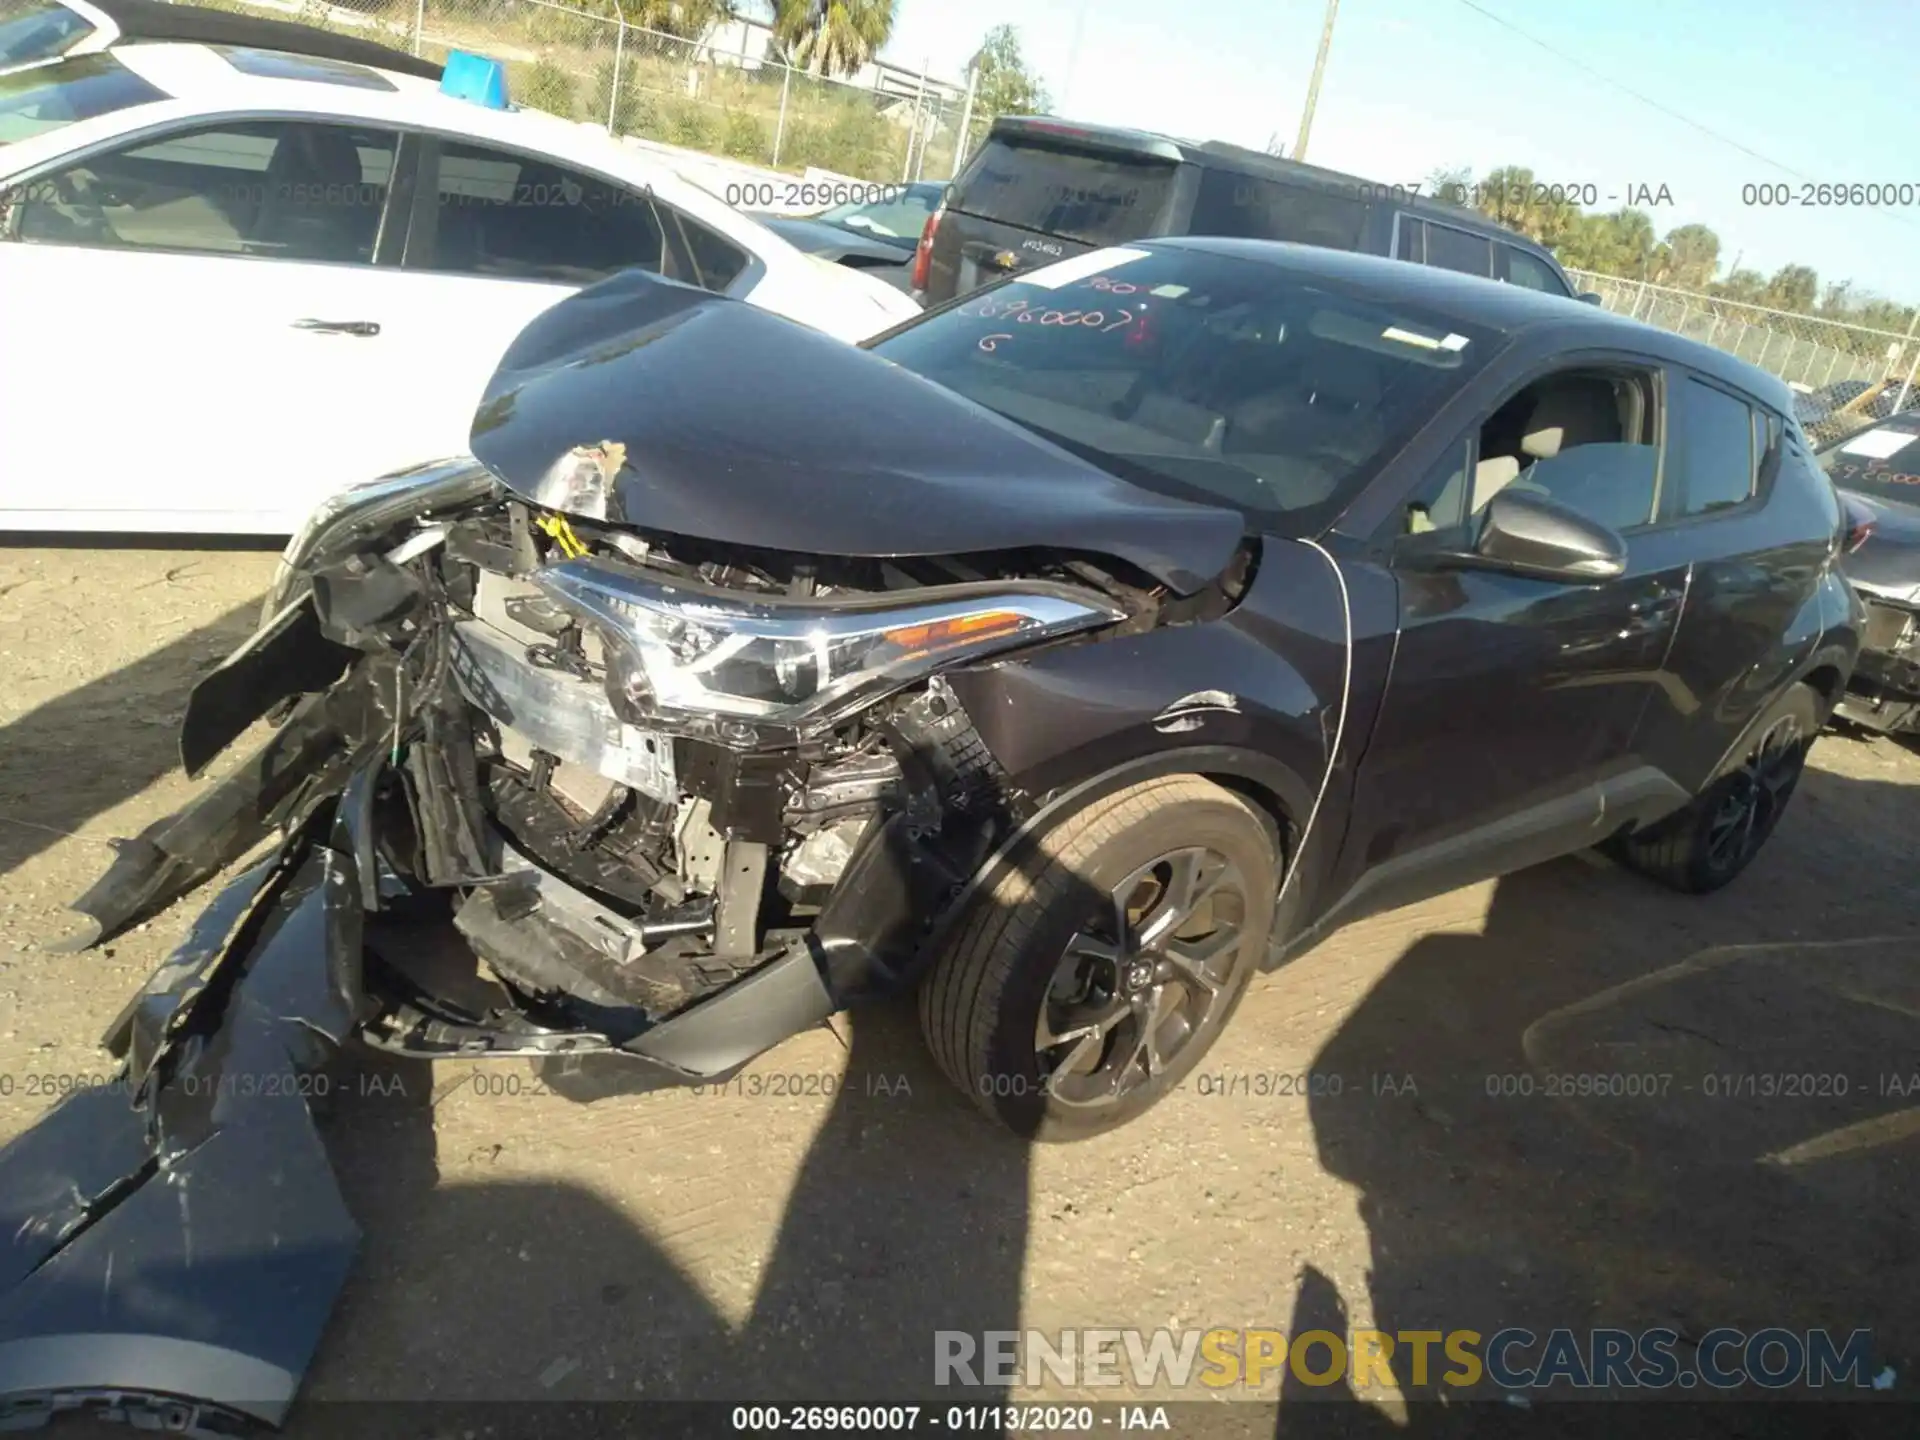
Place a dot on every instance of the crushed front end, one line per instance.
(669, 803)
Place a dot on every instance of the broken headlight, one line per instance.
(731, 666)
(350, 518)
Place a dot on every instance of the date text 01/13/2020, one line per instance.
(962, 1419)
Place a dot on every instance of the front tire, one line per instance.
(1084, 985)
(1703, 847)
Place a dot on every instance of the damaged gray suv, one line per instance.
(1066, 656)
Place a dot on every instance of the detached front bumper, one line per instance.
(175, 1243)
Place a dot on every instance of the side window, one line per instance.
(1768, 432)
(1462, 250)
(715, 261)
(1439, 506)
(1531, 271)
(1411, 242)
(283, 190)
(1239, 205)
(1710, 438)
(514, 217)
(1579, 438)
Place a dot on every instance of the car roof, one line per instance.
(200, 78)
(149, 20)
(1219, 154)
(1514, 309)
(199, 82)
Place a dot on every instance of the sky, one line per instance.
(1800, 93)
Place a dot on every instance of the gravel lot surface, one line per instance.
(804, 1233)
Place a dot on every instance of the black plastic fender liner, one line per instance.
(286, 656)
(292, 775)
(180, 1234)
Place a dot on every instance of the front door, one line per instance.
(1513, 703)
(201, 307)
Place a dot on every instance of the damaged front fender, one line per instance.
(176, 1241)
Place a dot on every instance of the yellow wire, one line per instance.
(563, 536)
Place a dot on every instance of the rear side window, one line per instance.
(1077, 195)
(1531, 272)
(1462, 250)
(44, 98)
(512, 217)
(1239, 205)
(716, 260)
(1710, 447)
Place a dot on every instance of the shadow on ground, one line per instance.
(1660, 1191)
(52, 779)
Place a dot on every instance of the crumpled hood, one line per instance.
(737, 425)
(1889, 563)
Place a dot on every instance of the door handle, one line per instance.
(1658, 600)
(339, 327)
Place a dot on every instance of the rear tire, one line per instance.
(1084, 985)
(1703, 847)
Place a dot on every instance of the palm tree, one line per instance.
(832, 37)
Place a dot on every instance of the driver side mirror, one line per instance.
(1589, 297)
(1527, 535)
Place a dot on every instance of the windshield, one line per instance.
(1883, 462)
(1204, 376)
(896, 222)
(38, 30)
(46, 97)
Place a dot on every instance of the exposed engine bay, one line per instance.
(632, 773)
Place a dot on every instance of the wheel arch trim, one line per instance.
(1270, 786)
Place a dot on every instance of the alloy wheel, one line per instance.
(1756, 794)
(1140, 980)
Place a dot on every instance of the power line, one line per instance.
(1624, 89)
(1654, 104)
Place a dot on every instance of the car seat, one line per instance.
(314, 208)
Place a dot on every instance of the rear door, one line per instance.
(1741, 504)
(1031, 197)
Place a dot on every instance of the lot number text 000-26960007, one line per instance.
(803, 194)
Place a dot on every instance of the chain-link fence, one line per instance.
(1848, 376)
(728, 95)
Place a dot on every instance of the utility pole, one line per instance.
(1313, 85)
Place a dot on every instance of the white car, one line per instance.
(237, 280)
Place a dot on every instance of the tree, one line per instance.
(1005, 84)
(1625, 244)
(1620, 243)
(1793, 287)
(1454, 185)
(1510, 196)
(1745, 286)
(832, 37)
(1687, 259)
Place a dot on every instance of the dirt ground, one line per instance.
(805, 1232)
